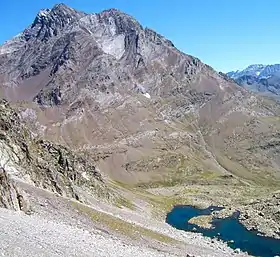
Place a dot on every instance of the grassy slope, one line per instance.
(121, 226)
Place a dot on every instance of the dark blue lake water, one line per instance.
(228, 229)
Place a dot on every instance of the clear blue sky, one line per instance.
(226, 34)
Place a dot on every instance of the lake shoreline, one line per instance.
(228, 229)
(248, 218)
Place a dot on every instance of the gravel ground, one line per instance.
(25, 236)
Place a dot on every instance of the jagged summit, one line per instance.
(57, 9)
(255, 66)
(113, 11)
(43, 13)
(61, 6)
(264, 79)
(49, 22)
(256, 70)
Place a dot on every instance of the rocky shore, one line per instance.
(259, 207)
(263, 215)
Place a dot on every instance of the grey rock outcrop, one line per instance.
(10, 195)
(41, 163)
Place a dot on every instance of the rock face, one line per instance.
(145, 112)
(263, 215)
(264, 79)
(10, 197)
(25, 158)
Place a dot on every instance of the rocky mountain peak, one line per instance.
(259, 78)
(124, 22)
(113, 11)
(62, 6)
(43, 13)
(255, 66)
(256, 70)
(49, 22)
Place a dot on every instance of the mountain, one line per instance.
(103, 83)
(260, 78)
(259, 71)
(252, 70)
(137, 118)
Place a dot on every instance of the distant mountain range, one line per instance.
(264, 79)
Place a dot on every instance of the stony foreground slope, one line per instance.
(63, 227)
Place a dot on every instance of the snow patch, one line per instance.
(142, 90)
(147, 95)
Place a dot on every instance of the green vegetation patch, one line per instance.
(126, 228)
(121, 202)
(203, 221)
